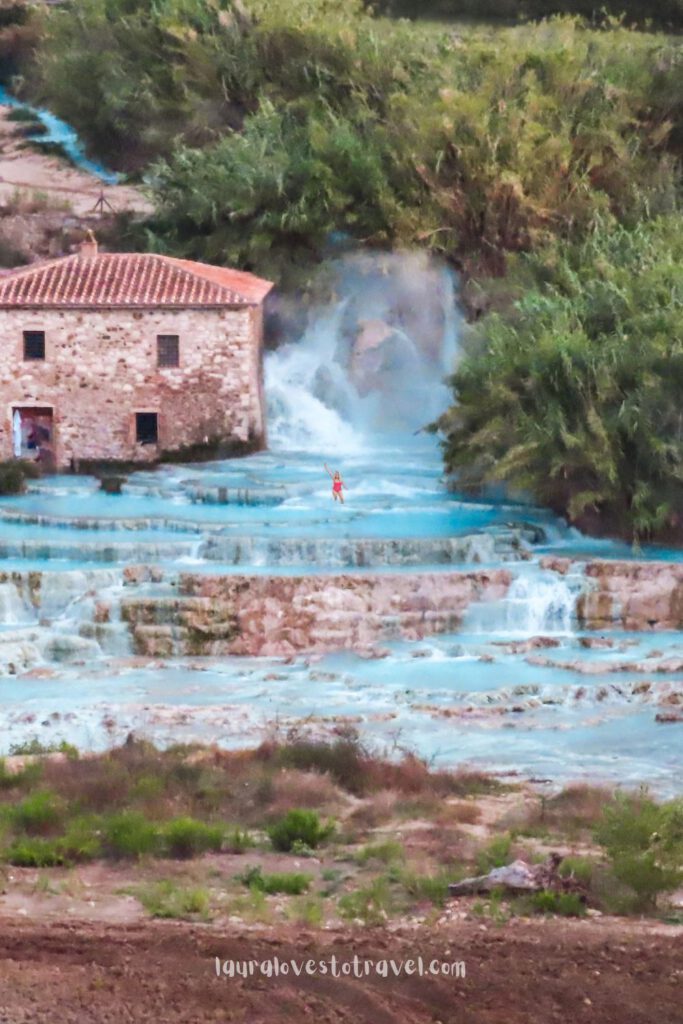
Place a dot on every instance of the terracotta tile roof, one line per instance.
(129, 279)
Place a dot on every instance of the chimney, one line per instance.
(88, 247)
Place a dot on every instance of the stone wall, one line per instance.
(101, 368)
(281, 615)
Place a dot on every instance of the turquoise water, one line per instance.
(492, 695)
(505, 715)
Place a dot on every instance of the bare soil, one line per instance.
(28, 169)
(520, 973)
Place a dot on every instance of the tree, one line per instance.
(576, 395)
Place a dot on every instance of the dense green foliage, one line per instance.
(299, 829)
(281, 123)
(638, 12)
(268, 128)
(576, 395)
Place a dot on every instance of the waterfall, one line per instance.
(13, 609)
(372, 361)
(537, 602)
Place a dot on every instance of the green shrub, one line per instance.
(34, 747)
(81, 841)
(129, 834)
(32, 852)
(165, 899)
(385, 852)
(565, 904)
(580, 868)
(574, 395)
(495, 855)
(644, 843)
(432, 888)
(308, 911)
(14, 474)
(299, 827)
(37, 813)
(291, 883)
(187, 837)
(371, 904)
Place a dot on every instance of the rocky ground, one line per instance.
(520, 973)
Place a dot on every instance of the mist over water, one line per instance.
(372, 361)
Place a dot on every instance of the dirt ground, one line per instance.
(28, 169)
(518, 973)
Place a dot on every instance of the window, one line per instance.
(168, 350)
(34, 345)
(146, 427)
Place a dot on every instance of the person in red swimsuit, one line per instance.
(337, 484)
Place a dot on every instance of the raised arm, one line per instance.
(329, 473)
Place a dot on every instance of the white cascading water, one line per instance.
(373, 361)
(13, 609)
(537, 603)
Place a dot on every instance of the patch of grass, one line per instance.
(472, 783)
(187, 837)
(252, 907)
(308, 910)
(238, 840)
(388, 851)
(495, 855)
(494, 908)
(429, 888)
(43, 886)
(564, 904)
(292, 883)
(371, 905)
(166, 899)
(299, 828)
(332, 879)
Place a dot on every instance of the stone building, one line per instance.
(125, 356)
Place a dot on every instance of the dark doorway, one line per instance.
(146, 427)
(33, 434)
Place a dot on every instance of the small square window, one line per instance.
(34, 345)
(146, 427)
(168, 350)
